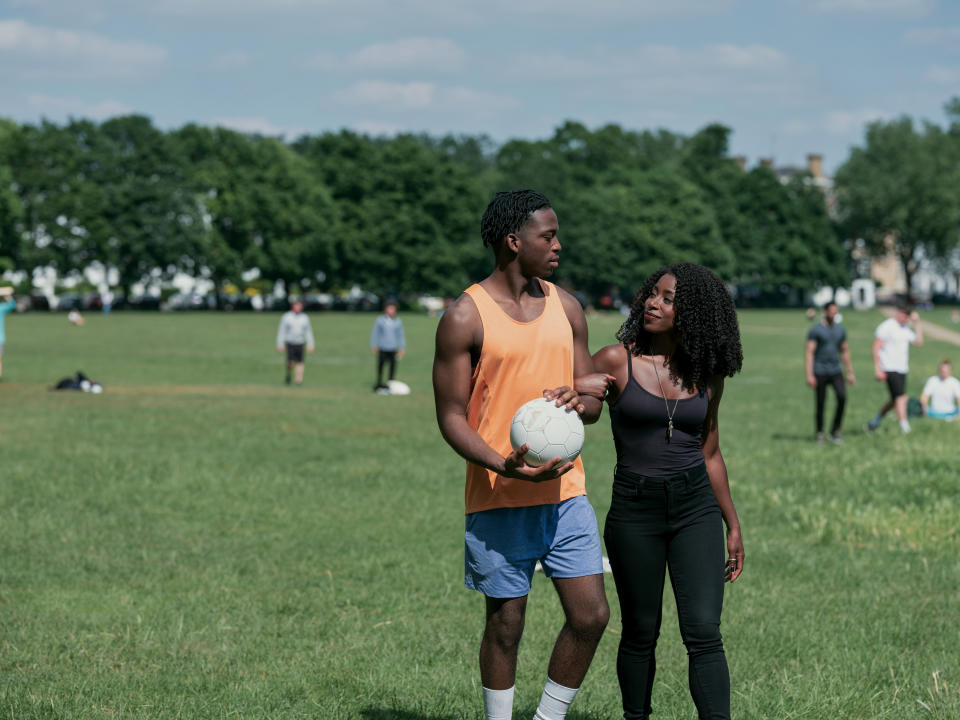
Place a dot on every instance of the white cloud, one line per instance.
(412, 52)
(941, 75)
(258, 125)
(664, 61)
(409, 14)
(430, 54)
(873, 7)
(62, 107)
(843, 122)
(744, 56)
(391, 94)
(373, 127)
(669, 74)
(38, 41)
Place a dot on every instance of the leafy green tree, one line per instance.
(899, 191)
(144, 219)
(411, 212)
(11, 210)
(625, 207)
(779, 234)
(617, 234)
(782, 235)
(216, 159)
(52, 170)
(263, 209)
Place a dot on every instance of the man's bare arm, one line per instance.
(808, 362)
(848, 362)
(582, 361)
(917, 329)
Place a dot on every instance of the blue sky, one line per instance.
(789, 77)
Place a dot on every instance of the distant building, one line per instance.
(929, 280)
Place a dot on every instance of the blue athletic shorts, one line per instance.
(930, 413)
(502, 546)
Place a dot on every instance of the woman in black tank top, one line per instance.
(670, 491)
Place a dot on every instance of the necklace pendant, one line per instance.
(669, 430)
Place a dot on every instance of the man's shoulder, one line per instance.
(571, 306)
(887, 326)
(463, 310)
(460, 325)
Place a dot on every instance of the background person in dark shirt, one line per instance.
(826, 345)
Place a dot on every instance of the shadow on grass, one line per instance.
(382, 713)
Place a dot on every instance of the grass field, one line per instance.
(203, 542)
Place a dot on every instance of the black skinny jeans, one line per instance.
(840, 389)
(655, 523)
(388, 358)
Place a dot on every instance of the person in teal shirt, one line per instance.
(5, 307)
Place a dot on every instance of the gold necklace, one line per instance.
(670, 413)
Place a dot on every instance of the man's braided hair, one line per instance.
(508, 212)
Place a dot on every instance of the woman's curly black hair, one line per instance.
(705, 323)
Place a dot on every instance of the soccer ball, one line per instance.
(398, 387)
(550, 431)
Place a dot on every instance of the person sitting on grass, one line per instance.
(941, 394)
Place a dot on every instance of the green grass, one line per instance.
(203, 542)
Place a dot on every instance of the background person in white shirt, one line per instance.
(941, 394)
(295, 332)
(891, 362)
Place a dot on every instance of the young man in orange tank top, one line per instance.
(500, 344)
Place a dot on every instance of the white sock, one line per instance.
(905, 426)
(498, 704)
(555, 701)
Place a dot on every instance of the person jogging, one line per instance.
(891, 362)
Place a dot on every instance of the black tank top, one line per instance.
(639, 422)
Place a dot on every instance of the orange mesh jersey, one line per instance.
(518, 361)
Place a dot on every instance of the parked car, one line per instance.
(69, 301)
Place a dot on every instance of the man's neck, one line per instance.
(513, 285)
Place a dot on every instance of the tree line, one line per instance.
(401, 215)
